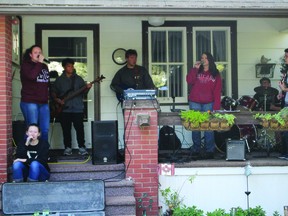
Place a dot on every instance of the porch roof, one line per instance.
(246, 8)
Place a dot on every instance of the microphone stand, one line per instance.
(266, 144)
(173, 157)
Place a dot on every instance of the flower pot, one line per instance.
(224, 125)
(194, 126)
(274, 125)
(204, 125)
(265, 123)
(214, 124)
(186, 124)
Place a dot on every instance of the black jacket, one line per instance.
(136, 78)
(39, 152)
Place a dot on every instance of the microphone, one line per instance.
(31, 139)
(45, 60)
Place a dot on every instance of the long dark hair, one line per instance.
(212, 66)
(26, 55)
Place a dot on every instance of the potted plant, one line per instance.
(196, 120)
(276, 121)
(226, 120)
(192, 119)
(264, 119)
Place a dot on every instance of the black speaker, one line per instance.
(235, 149)
(104, 142)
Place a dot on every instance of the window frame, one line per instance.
(189, 38)
(168, 63)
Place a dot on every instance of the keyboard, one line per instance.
(139, 94)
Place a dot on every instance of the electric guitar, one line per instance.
(56, 108)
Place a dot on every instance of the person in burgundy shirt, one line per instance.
(34, 76)
(205, 85)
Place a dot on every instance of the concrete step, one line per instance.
(70, 172)
(120, 205)
(119, 192)
(119, 188)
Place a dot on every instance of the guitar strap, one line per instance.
(72, 87)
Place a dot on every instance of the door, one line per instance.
(78, 45)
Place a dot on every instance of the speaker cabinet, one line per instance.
(104, 142)
(235, 149)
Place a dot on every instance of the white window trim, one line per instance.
(184, 62)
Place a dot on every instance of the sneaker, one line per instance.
(83, 151)
(68, 151)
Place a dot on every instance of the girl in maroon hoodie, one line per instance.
(205, 85)
(34, 76)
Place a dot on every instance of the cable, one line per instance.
(67, 162)
(52, 129)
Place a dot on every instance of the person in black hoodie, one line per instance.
(72, 110)
(131, 76)
(31, 163)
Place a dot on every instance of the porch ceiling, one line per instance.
(244, 8)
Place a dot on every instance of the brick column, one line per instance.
(5, 96)
(141, 153)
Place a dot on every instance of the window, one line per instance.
(214, 40)
(167, 62)
(169, 52)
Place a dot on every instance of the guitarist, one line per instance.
(72, 110)
(131, 76)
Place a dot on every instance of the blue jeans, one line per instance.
(208, 135)
(35, 172)
(38, 114)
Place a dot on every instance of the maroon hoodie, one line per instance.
(35, 82)
(204, 88)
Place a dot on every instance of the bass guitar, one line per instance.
(56, 108)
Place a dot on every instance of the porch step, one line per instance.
(120, 205)
(119, 192)
(70, 172)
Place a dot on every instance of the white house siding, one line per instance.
(256, 37)
(276, 4)
(225, 187)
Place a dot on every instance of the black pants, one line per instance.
(66, 120)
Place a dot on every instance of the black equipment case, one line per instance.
(58, 198)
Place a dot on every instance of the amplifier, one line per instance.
(235, 149)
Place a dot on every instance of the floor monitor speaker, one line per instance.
(235, 149)
(104, 142)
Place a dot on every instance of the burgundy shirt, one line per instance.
(204, 88)
(35, 82)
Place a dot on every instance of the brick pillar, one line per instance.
(141, 153)
(5, 96)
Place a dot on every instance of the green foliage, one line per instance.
(197, 117)
(81, 69)
(172, 198)
(276, 213)
(187, 211)
(218, 212)
(257, 211)
(230, 118)
(267, 116)
(159, 76)
(281, 117)
(194, 211)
